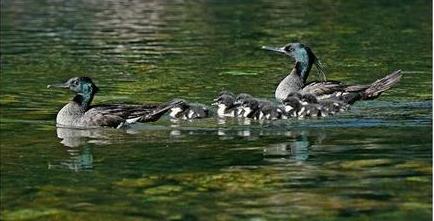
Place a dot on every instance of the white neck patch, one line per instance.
(221, 109)
(174, 111)
(247, 111)
(288, 108)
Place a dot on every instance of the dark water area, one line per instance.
(373, 162)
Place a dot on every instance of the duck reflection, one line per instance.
(297, 150)
(78, 160)
(72, 137)
(77, 145)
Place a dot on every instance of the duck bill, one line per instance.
(60, 85)
(278, 50)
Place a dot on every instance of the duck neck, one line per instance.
(306, 58)
(290, 84)
(83, 100)
(305, 67)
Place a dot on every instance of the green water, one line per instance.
(372, 163)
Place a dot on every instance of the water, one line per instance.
(372, 163)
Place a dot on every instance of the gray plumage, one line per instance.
(225, 105)
(186, 110)
(80, 113)
(290, 84)
(250, 108)
(305, 59)
(270, 111)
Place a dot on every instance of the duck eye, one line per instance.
(289, 48)
(74, 82)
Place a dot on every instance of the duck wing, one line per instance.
(319, 88)
(125, 111)
(352, 93)
(113, 115)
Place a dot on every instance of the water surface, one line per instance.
(372, 163)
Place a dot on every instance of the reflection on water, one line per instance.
(78, 152)
(79, 156)
(371, 163)
(71, 137)
(78, 159)
(297, 150)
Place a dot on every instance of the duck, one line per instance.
(270, 111)
(230, 105)
(265, 108)
(80, 113)
(291, 106)
(250, 108)
(296, 80)
(296, 106)
(239, 100)
(185, 111)
(327, 106)
(226, 106)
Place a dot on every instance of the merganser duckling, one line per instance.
(186, 111)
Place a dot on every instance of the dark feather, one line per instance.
(319, 88)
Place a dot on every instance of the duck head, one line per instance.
(249, 106)
(178, 109)
(82, 86)
(225, 92)
(300, 53)
(309, 98)
(224, 100)
(239, 100)
(292, 104)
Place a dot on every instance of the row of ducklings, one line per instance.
(244, 105)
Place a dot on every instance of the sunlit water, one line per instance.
(371, 163)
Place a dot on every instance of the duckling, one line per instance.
(239, 100)
(80, 113)
(225, 106)
(291, 106)
(301, 106)
(309, 110)
(185, 111)
(270, 111)
(305, 59)
(250, 108)
(242, 97)
(326, 106)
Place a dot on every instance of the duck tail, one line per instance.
(379, 86)
(160, 111)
